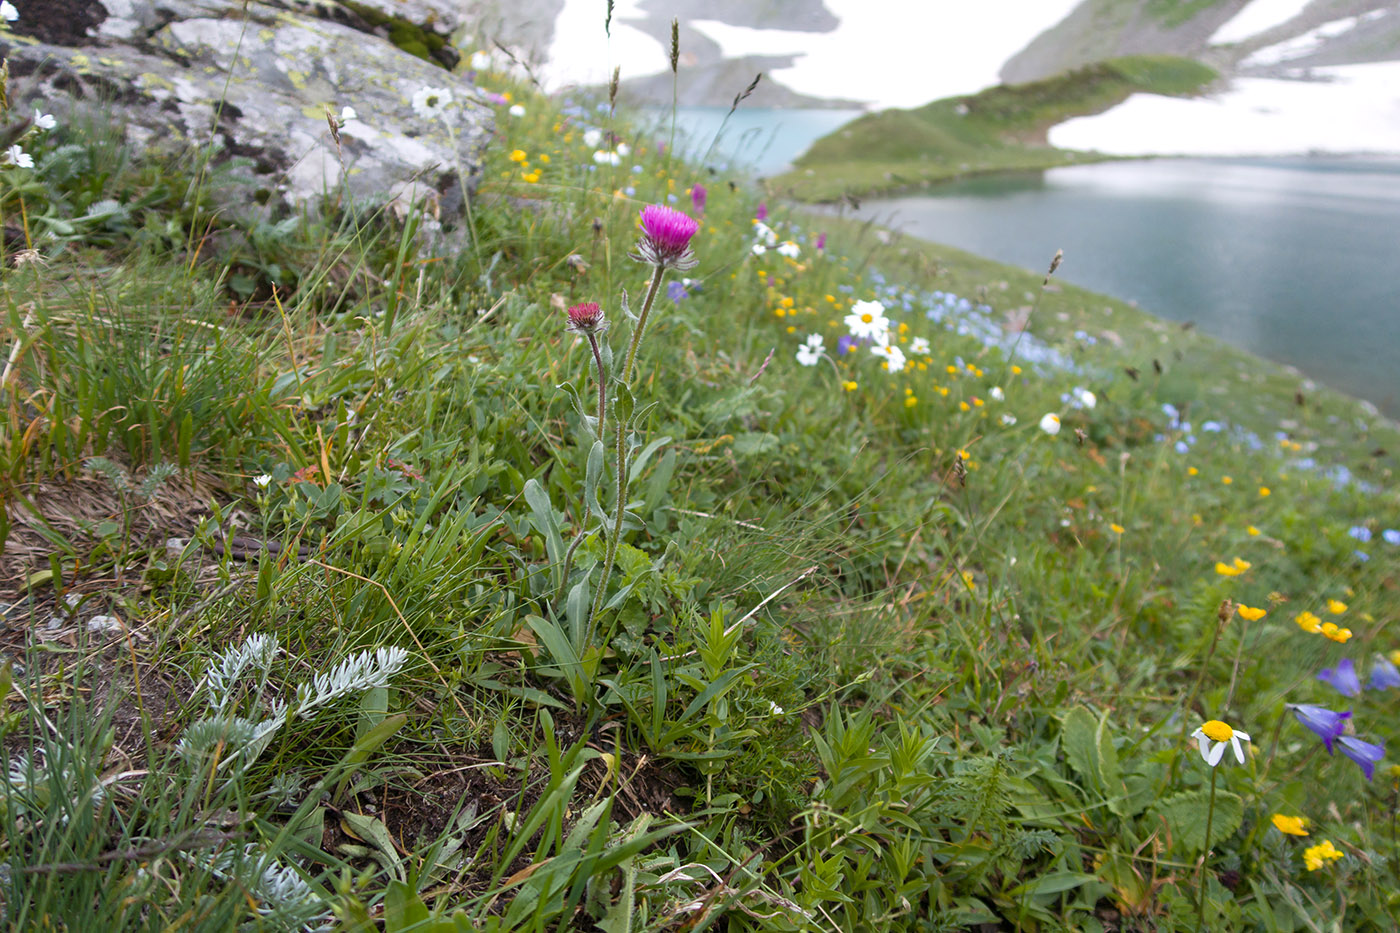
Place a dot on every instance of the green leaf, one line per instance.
(593, 478)
(403, 909)
(1088, 745)
(367, 745)
(542, 517)
(1185, 816)
(1054, 883)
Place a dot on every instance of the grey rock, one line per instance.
(253, 83)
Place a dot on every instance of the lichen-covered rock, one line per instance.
(257, 81)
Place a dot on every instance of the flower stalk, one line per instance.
(1205, 856)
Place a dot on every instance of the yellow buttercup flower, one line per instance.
(1251, 614)
(1264, 491)
(1309, 623)
(1234, 569)
(1315, 857)
(1395, 658)
(1252, 531)
(1336, 607)
(850, 385)
(1117, 528)
(1192, 471)
(1290, 825)
(1333, 631)
(1226, 480)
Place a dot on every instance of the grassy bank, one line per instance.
(305, 522)
(1000, 129)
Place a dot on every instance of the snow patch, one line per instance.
(1351, 108)
(1308, 42)
(1259, 16)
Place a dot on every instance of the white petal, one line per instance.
(1216, 754)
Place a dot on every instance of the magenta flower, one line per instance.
(821, 241)
(697, 197)
(1365, 754)
(762, 212)
(587, 318)
(665, 239)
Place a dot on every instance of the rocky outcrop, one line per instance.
(254, 82)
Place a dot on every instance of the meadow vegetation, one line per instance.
(935, 595)
(1000, 129)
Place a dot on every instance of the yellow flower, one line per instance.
(518, 155)
(1192, 471)
(964, 455)
(1332, 631)
(1252, 531)
(850, 385)
(1242, 565)
(963, 406)
(1308, 622)
(1290, 825)
(1395, 658)
(1212, 737)
(544, 157)
(911, 401)
(1249, 613)
(1232, 570)
(1117, 528)
(1336, 607)
(1319, 855)
(1226, 480)
(1015, 370)
(1264, 491)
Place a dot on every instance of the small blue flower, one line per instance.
(676, 291)
(1343, 677)
(1324, 723)
(1391, 536)
(1365, 754)
(1360, 533)
(1361, 556)
(1384, 675)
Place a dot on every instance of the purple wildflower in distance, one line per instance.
(1360, 533)
(1383, 675)
(847, 344)
(697, 197)
(1391, 536)
(676, 291)
(1365, 754)
(665, 239)
(1343, 677)
(1325, 724)
(762, 212)
(821, 241)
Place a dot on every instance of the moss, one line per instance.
(407, 36)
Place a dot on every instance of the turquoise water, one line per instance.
(763, 141)
(1297, 260)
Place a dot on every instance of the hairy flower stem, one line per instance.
(602, 407)
(1205, 856)
(620, 428)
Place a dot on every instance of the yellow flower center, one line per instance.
(867, 317)
(1217, 731)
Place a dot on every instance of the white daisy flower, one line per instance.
(431, 103)
(867, 320)
(789, 249)
(623, 149)
(765, 233)
(894, 357)
(591, 138)
(1050, 424)
(8, 13)
(607, 158)
(1212, 737)
(1008, 420)
(18, 157)
(44, 121)
(997, 394)
(347, 114)
(919, 346)
(516, 110)
(1084, 397)
(481, 60)
(759, 249)
(811, 352)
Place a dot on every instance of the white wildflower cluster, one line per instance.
(434, 103)
(15, 156)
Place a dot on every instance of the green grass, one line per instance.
(873, 657)
(1000, 129)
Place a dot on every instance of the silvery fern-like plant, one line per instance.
(255, 655)
(282, 896)
(364, 671)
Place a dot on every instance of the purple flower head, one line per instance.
(1325, 724)
(1391, 536)
(587, 318)
(847, 344)
(762, 212)
(498, 99)
(665, 239)
(1343, 677)
(821, 241)
(1383, 675)
(1360, 533)
(676, 291)
(697, 197)
(1366, 754)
